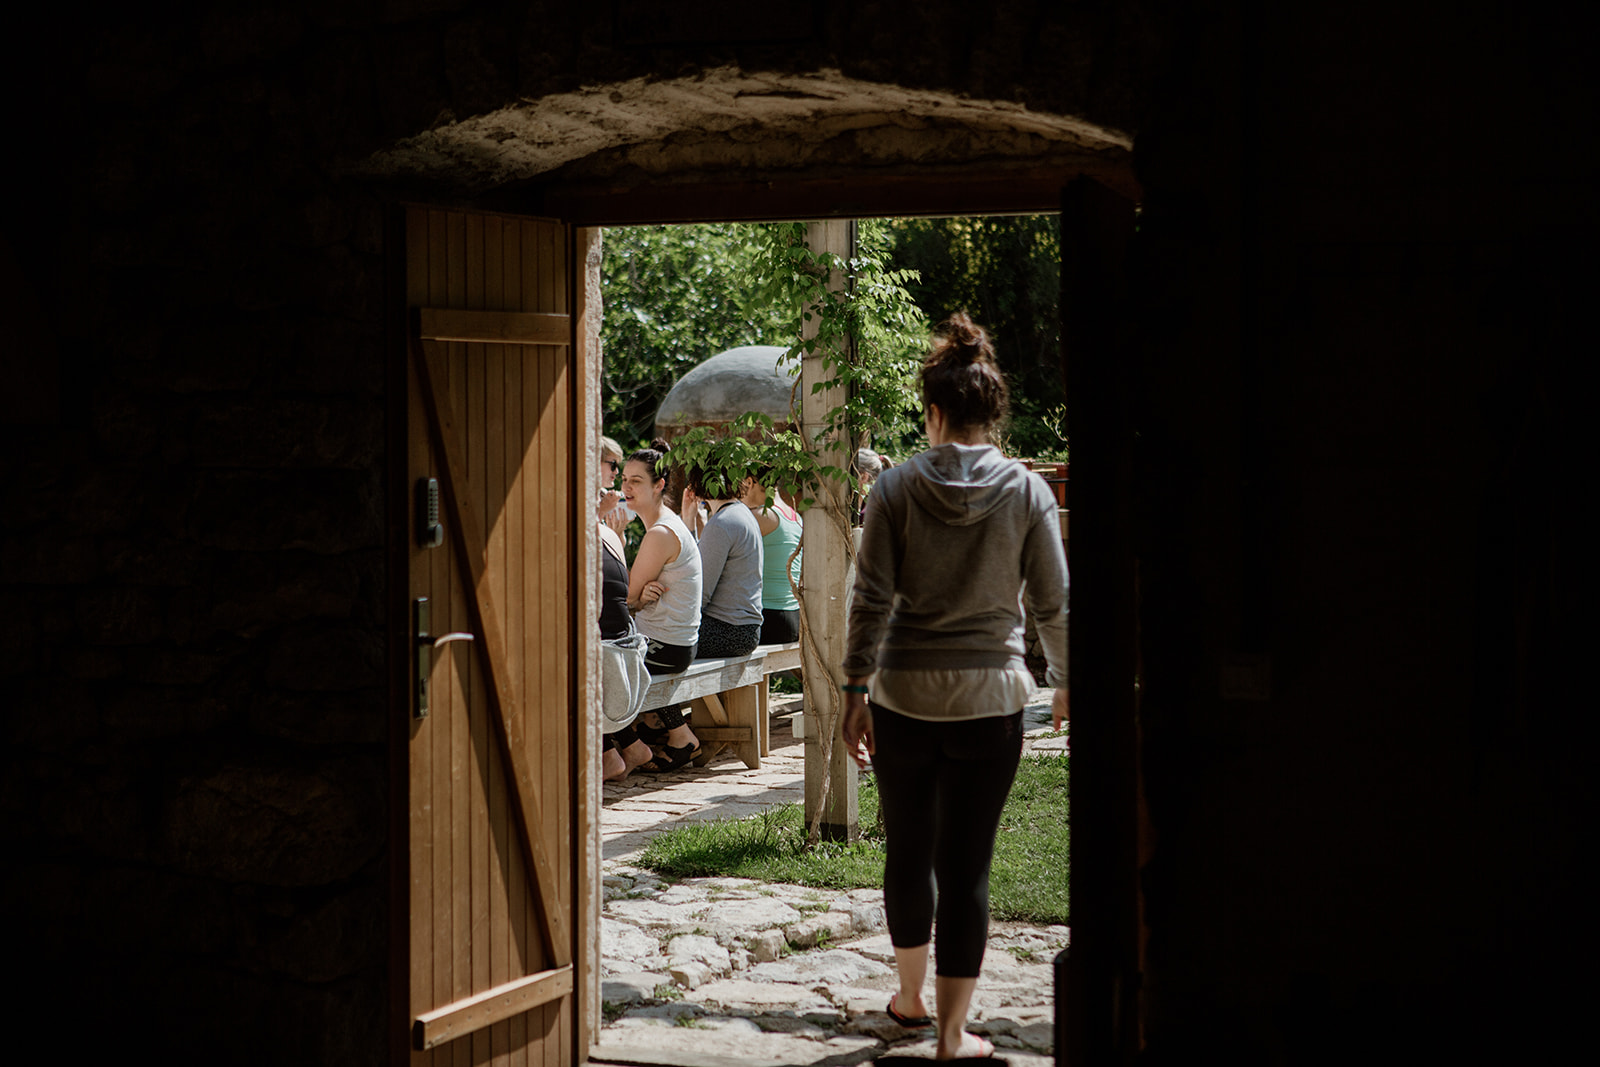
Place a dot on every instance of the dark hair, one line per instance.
(712, 482)
(960, 375)
(654, 457)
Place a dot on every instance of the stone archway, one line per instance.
(712, 143)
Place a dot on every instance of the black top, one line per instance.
(614, 618)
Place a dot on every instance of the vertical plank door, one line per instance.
(491, 795)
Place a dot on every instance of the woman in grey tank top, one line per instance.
(730, 562)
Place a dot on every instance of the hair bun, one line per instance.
(660, 445)
(960, 375)
(964, 339)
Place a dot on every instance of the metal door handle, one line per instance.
(426, 642)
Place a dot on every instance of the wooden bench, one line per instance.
(728, 700)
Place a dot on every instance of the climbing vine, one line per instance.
(868, 332)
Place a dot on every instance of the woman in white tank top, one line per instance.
(664, 587)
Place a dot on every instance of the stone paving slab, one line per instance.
(721, 972)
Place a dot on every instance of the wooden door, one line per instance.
(492, 796)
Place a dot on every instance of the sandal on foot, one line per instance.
(908, 1022)
(984, 1051)
(670, 759)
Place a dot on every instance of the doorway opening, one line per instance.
(674, 296)
(587, 205)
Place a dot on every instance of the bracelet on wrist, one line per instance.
(854, 689)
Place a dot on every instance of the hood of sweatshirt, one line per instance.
(962, 484)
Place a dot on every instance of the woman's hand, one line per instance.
(659, 547)
(858, 740)
(1060, 710)
(652, 592)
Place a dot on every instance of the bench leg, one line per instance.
(707, 711)
(729, 720)
(762, 721)
(744, 709)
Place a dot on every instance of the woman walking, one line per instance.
(955, 542)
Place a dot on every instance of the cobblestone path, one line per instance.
(728, 971)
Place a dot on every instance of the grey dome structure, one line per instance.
(726, 386)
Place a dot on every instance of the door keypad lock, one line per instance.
(425, 644)
(430, 531)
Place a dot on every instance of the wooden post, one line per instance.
(830, 774)
(587, 322)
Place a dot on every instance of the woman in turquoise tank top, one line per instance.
(780, 535)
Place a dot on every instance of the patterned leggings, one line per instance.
(719, 639)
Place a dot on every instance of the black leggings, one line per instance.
(662, 658)
(619, 739)
(779, 627)
(941, 787)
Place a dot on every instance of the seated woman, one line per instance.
(780, 536)
(621, 750)
(608, 501)
(664, 593)
(730, 561)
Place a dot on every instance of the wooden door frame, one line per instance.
(1102, 994)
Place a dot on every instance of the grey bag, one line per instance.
(623, 680)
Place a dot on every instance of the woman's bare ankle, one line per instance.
(965, 1045)
(910, 1003)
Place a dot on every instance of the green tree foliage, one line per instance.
(870, 335)
(1006, 272)
(673, 297)
(870, 331)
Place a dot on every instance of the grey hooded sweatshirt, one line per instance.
(956, 542)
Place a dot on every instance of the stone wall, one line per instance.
(192, 624)
(1357, 406)
(194, 589)
(1356, 422)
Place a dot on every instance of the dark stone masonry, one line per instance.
(1357, 309)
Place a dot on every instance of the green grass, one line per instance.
(1028, 880)
(1032, 857)
(785, 683)
(770, 847)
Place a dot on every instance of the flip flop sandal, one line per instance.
(670, 759)
(908, 1022)
(985, 1049)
